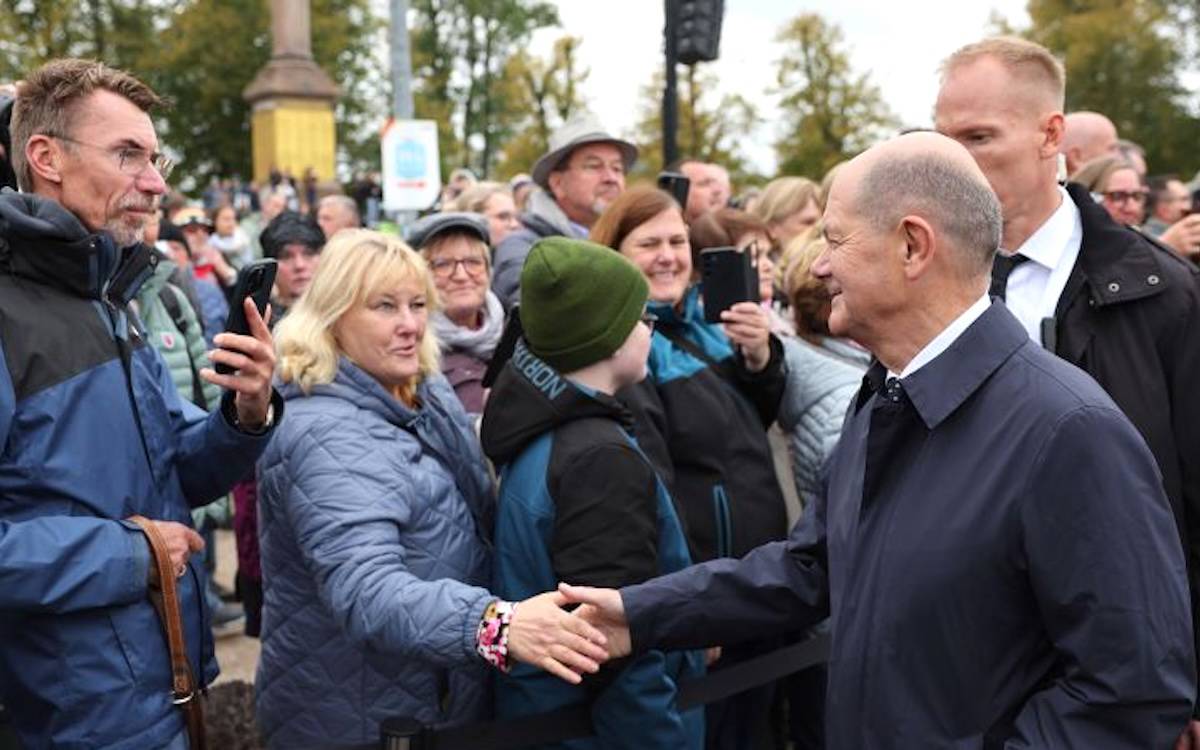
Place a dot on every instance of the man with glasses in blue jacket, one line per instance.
(92, 430)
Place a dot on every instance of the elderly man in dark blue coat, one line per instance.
(993, 546)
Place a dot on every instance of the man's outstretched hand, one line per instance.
(605, 611)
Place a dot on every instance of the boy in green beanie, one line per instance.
(579, 501)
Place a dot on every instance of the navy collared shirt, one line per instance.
(1001, 567)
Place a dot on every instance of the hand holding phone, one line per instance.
(254, 282)
(727, 277)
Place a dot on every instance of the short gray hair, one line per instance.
(947, 194)
(346, 202)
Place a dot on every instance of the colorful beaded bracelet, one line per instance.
(491, 640)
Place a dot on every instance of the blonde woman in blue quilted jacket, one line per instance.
(375, 519)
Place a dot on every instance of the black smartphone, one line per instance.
(675, 184)
(504, 348)
(254, 281)
(727, 277)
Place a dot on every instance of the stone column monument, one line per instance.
(292, 100)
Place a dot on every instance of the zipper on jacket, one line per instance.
(130, 274)
(724, 524)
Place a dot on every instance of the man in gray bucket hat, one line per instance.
(581, 174)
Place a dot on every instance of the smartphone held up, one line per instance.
(254, 282)
(727, 277)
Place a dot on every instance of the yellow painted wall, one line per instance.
(293, 135)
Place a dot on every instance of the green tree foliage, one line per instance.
(829, 112)
(461, 49)
(201, 54)
(546, 92)
(710, 128)
(116, 31)
(1124, 59)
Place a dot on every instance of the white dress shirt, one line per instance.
(1035, 286)
(948, 336)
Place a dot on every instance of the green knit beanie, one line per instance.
(579, 301)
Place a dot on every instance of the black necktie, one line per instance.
(889, 437)
(1002, 266)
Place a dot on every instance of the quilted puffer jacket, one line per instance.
(815, 399)
(182, 350)
(373, 524)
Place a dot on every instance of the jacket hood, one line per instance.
(544, 217)
(42, 241)
(531, 398)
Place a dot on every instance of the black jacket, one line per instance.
(1130, 318)
(702, 418)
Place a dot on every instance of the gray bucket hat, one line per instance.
(579, 130)
(420, 232)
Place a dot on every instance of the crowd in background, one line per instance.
(396, 538)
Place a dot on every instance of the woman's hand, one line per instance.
(545, 635)
(749, 328)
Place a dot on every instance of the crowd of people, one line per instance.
(509, 461)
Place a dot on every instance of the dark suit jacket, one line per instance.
(1010, 574)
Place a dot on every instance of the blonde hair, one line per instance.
(827, 182)
(1024, 59)
(355, 264)
(475, 198)
(806, 293)
(1095, 174)
(785, 196)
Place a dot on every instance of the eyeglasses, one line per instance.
(1121, 196)
(597, 165)
(444, 268)
(131, 161)
(649, 319)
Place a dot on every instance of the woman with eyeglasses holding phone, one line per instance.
(1116, 185)
(469, 325)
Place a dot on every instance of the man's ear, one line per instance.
(553, 181)
(1053, 128)
(920, 245)
(44, 157)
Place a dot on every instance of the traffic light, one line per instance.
(698, 30)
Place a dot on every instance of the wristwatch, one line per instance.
(267, 424)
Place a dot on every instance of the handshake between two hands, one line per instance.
(569, 644)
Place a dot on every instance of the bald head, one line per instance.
(1088, 136)
(933, 177)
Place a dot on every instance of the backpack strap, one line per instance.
(170, 300)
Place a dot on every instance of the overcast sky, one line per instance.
(898, 44)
